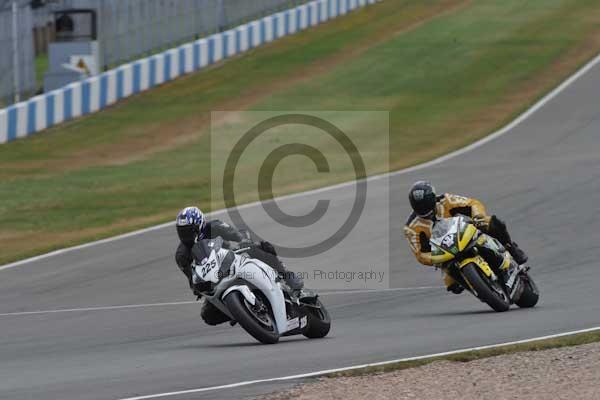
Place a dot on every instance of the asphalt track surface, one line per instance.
(543, 177)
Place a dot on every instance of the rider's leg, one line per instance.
(292, 280)
(498, 230)
(211, 314)
(452, 285)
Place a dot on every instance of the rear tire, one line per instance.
(235, 302)
(482, 285)
(530, 296)
(318, 322)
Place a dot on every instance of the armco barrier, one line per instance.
(93, 94)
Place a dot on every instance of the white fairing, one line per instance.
(244, 290)
(264, 278)
(208, 270)
(253, 271)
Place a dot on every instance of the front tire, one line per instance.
(318, 322)
(494, 297)
(530, 295)
(258, 329)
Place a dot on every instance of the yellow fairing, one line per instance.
(442, 258)
(506, 261)
(480, 262)
(467, 237)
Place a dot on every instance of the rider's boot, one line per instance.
(497, 229)
(297, 290)
(455, 288)
(305, 296)
(518, 255)
(452, 285)
(294, 281)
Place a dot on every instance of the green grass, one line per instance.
(539, 345)
(446, 81)
(41, 66)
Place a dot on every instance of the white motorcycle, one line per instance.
(251, 293)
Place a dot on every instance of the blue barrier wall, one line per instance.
(93, 94)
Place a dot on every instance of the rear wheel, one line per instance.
(318, 322)
(256, 319)
(530, 295)
(487, 290)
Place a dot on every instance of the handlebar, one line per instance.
(241, 250)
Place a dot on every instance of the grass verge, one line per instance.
(565, 341)
(448, 71)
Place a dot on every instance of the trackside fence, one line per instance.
(93, 94)
(24, 52)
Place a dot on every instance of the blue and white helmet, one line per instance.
(190, 223)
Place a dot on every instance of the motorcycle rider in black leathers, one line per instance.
(194, 232)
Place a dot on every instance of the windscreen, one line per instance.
(442, 227)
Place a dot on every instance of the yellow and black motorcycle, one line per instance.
(481, 264)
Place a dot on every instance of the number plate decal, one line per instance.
(207, 270)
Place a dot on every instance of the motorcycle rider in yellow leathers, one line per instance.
(429, 207)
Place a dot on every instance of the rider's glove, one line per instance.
(481, 221)
(200, 287)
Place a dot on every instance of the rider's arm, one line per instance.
(477, 208)
(201, 251)
(415, 242)
(217, 228)
(464, 205)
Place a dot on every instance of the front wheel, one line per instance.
(530, 295)
(256, 319)
(486, 290)
(318, 322)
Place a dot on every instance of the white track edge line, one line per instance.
(330, 371)
(100, 308)
(360, 291)
(548, 97)
(178, 303)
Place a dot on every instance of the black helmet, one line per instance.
(190, 222)
(422, 198)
